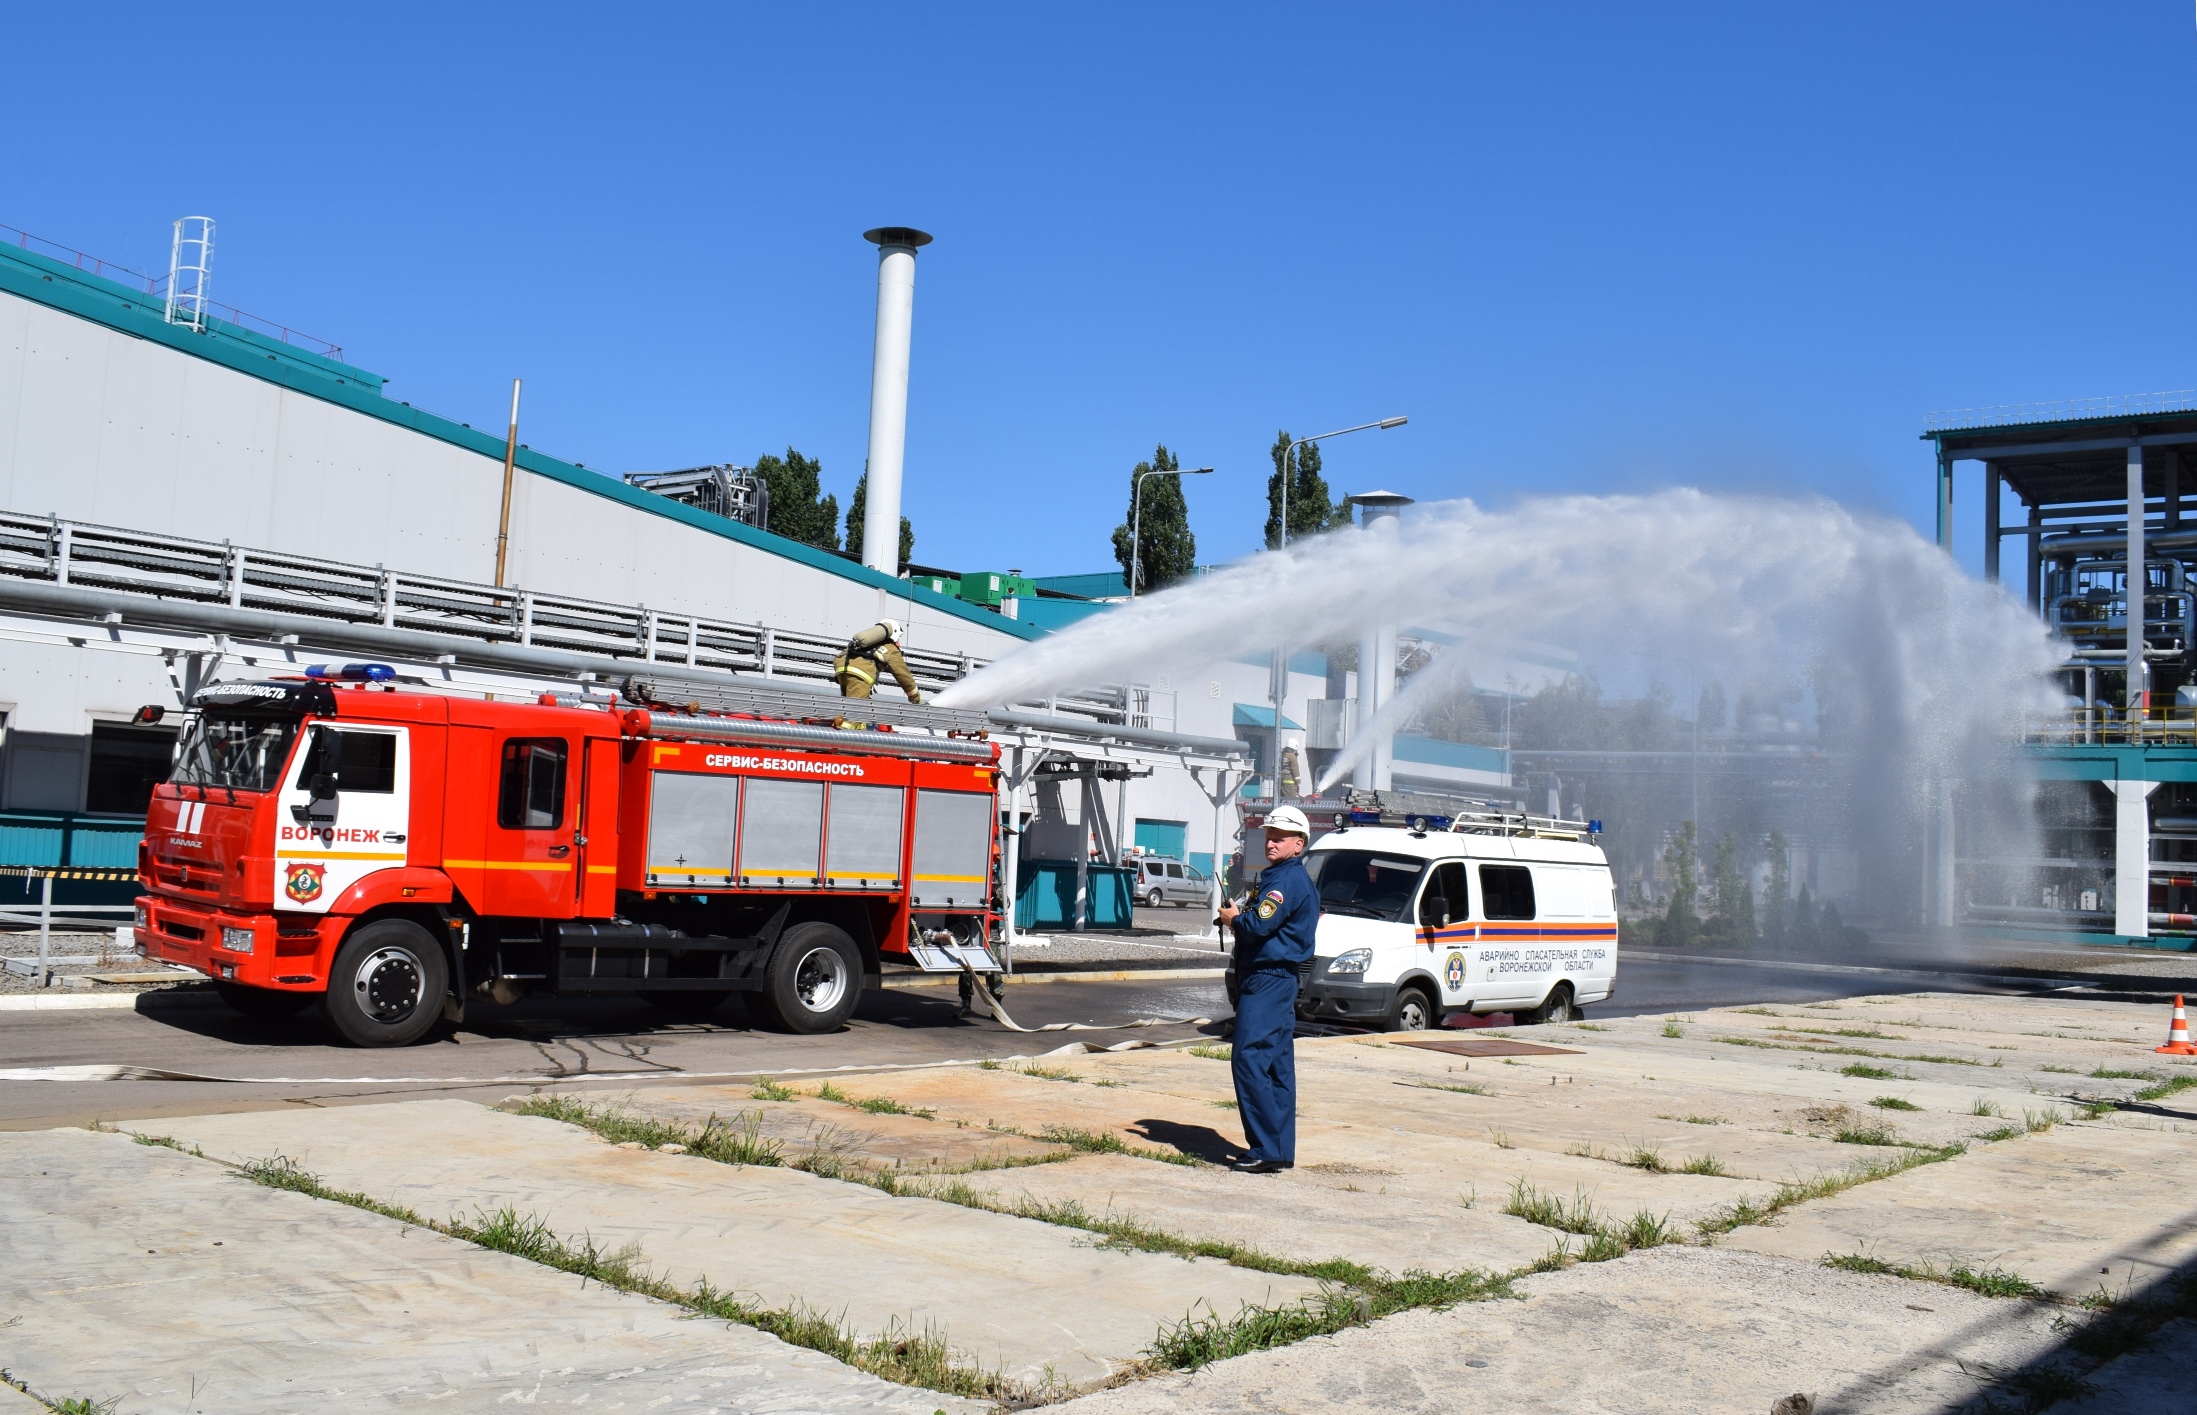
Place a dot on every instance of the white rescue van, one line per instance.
(1498, 914)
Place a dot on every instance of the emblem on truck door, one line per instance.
(1454, 972)
(303, 882)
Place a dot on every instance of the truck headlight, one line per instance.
(138, 920)
(1357, 960)
(237, 940)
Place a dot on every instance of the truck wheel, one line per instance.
(1413, 1011)
(386, 988)
(686, 1006)
(1558, 1007)
(814, 981)
(263, 1004)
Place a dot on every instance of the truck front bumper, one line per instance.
(288, 954)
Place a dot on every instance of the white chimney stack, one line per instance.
(896, 248)
(1380, 516)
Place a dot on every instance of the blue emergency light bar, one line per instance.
(352, 672)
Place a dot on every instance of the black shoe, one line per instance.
(1247, 1165)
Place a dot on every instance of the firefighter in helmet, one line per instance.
(1293, 768)
(877, 647)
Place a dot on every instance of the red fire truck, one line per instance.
(389, 853)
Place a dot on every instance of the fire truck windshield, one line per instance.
(238, 750)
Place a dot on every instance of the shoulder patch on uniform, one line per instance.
(1267, 906)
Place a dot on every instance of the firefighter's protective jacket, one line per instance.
(857, 666)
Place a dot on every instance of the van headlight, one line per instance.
(1357, 960)
(237, 940)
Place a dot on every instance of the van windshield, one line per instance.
(1363, 883)
(236, 750)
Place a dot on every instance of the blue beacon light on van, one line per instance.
(352, 672)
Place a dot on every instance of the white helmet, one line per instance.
(892, 627)
(1289, 821)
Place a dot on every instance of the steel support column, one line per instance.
(2132, 857)
(2135, 697)
(1991, 522)
(1945, 499)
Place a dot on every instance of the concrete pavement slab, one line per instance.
(1010, 1294)
(135, 1272)
(1337, 1211)
(2084, 1206)
(1670, 1331)
(2151, 1381)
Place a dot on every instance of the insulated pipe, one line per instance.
(1143, 736)
(896, 248)
(797, 734)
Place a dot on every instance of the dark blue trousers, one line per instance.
(1264, 1059)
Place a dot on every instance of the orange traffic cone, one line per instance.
(2177, 1033)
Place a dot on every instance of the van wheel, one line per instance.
(1558, 1007)
(1413, 1011)
(263, 1004)
(815, 979)
(387, 985)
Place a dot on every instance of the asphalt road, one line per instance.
(619, 1045)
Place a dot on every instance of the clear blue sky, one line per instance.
(1584, 248)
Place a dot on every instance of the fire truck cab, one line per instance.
(389, 853)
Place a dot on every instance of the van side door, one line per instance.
(1510, 936)
(1445, 931)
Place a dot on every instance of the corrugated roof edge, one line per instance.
(64, 288)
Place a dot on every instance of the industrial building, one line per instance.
(2099, 485)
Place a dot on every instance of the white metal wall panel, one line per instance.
(781, 833)
(99, 426)
(862, 836)
(692, 822)
(953, 856)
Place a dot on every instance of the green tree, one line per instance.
(1681, 924)
(1734, 917)
(856, 506)
(1310, 512)
(1167, 551)
(798, 508)
(1777, 908)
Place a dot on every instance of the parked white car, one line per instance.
(1416, 925)
(1162, 879)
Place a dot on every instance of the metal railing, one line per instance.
(70, 915)
(2160, 727)
(74, 553)
(156, 288)
(2118, 405)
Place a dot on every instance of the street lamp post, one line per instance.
(1279, 678)
(1136, 519)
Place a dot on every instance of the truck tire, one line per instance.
(814, 981)
(387, 986)
(263, 1004)
(1556, 1007)
(1413, 1011)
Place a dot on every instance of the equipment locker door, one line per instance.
(531, 864)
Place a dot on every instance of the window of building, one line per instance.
(532, 793)
(127, 762)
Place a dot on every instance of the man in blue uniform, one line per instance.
(1273, 932)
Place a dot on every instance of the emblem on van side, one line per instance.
(303, 882)
(1453, 972)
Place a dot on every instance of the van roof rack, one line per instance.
(1521, 823)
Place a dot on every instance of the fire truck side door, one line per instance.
(532, 861)
(344, 813)
(597, 853)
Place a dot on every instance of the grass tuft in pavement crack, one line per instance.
(905, 1357)
(1199, 1340)
(1987, 1282)
(1747, 1212)
(737, 1141)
